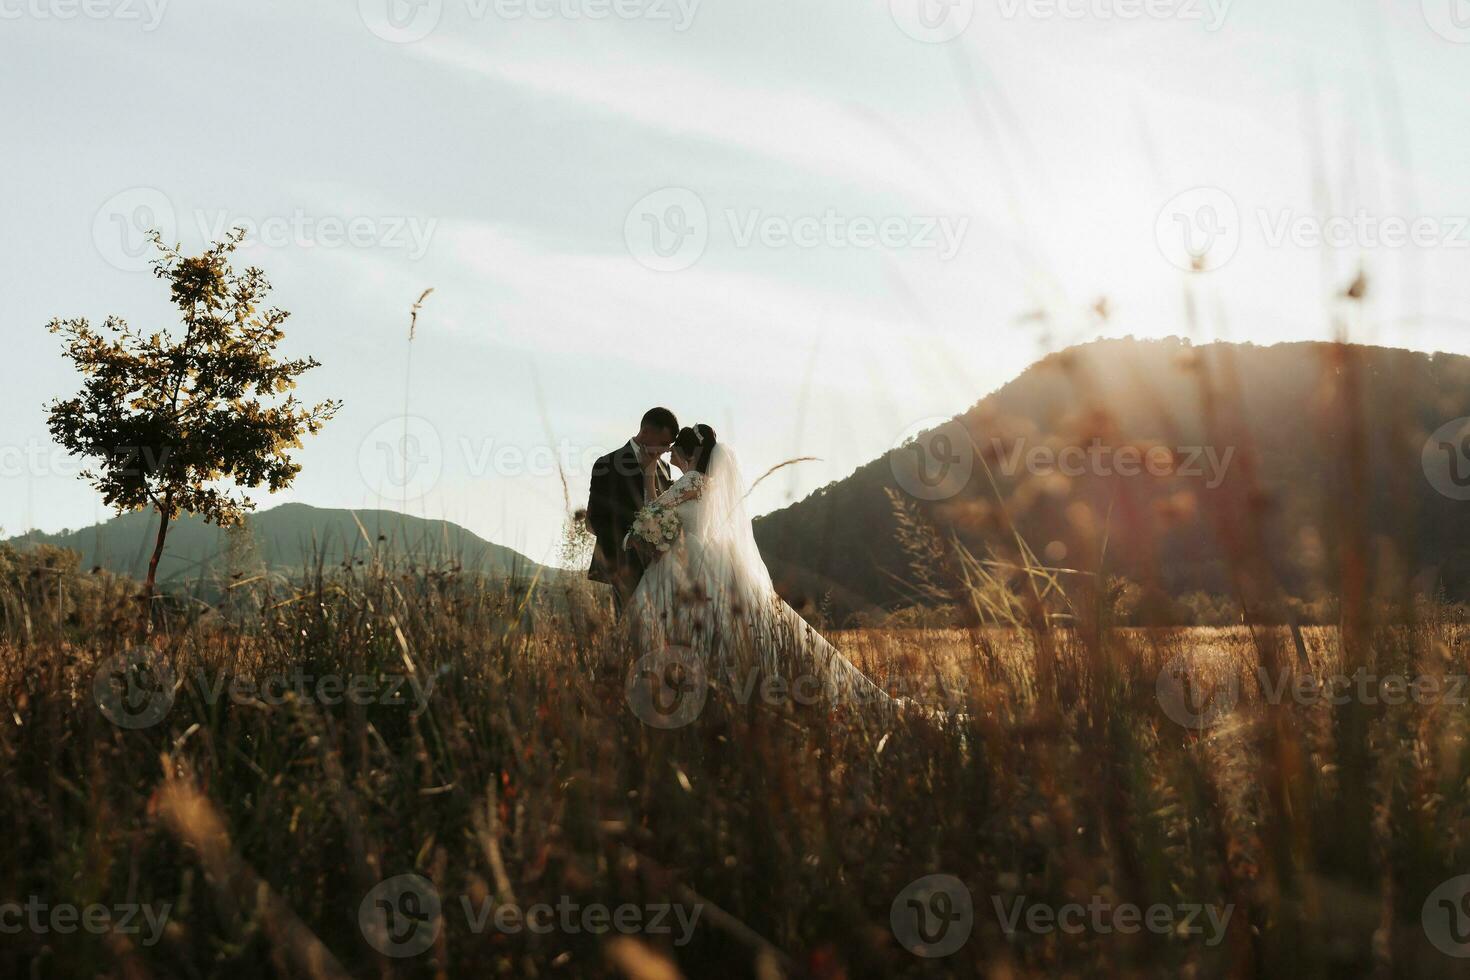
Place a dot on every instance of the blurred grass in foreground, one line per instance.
(526, 779)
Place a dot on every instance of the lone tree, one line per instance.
(187, 424)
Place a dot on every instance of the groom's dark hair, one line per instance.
(660, 418)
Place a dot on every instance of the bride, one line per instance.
(707, 589)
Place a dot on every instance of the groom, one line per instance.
(622, 482)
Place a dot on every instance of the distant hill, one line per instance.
(1277, 410)
(284, 540)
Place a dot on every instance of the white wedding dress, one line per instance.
(711, 596)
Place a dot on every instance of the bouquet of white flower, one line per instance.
(657, 526)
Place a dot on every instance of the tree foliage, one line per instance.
(187, 421)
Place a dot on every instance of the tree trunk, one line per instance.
(165, 514)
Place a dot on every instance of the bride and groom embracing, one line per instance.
(681, 558)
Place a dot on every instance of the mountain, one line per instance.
(1316, 459)
(286, 540)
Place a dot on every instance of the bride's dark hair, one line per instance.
(696, 445)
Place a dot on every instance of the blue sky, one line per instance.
(814, 225)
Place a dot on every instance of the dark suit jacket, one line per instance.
(614, 499)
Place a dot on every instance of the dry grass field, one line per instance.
(491, 761)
